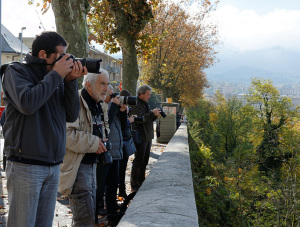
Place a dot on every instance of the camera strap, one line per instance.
(103, 125)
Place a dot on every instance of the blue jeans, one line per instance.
(83, 196)
(32, 193)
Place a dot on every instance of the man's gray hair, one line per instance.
(92, 77)
(110, 87)
(143, 89)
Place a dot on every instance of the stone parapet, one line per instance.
(166, 198)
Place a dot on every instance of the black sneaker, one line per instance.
(102, 211)
(122, 194)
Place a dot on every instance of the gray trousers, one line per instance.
(83, 197)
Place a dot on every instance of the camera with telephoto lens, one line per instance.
(125, 100)
(162, 113)
(140, 119)
(92, 65)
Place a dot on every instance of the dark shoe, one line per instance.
(134, 189)
(114, 219)
(122, 194)
(102, 211)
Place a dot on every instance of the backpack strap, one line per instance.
(3, 69)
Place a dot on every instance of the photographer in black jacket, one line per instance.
(145, 128)
(40, 97)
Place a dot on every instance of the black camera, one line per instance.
(162, 113)
(127, 100)
(107, 145)
(105, 158)
(140, 119)
(92, 65)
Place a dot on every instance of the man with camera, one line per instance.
(84, 146)
(117, 115)
(40, 96)
(145, 129)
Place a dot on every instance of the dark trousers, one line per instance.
(102, 171)
(112, 181)
(122, 173)
(139, 164)
(107, 182)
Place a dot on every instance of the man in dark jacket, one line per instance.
(142, 154)
(40, 97)
(108, 174)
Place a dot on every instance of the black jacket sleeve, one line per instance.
(71, 100)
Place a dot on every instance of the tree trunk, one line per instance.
(130, 66)
(126, 31)
(70, 20)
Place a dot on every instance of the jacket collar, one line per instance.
(37, 65)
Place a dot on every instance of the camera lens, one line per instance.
(92, 65)
(128, 100)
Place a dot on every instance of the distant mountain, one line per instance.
(279, 65)
(243, 75)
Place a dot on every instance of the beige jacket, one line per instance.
(79, 140)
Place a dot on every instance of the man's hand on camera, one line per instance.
(116, 100)
(78, 70)
(101, 148)
(131, 118)
(156, 112)
(63, 67)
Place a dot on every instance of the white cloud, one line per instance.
(247, 30)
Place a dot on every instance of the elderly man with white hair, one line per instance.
(84, 143)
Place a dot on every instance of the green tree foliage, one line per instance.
(182, 46)
(230, 126)
(271, 112)
(226, 140)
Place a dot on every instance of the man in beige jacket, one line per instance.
(84, 143)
